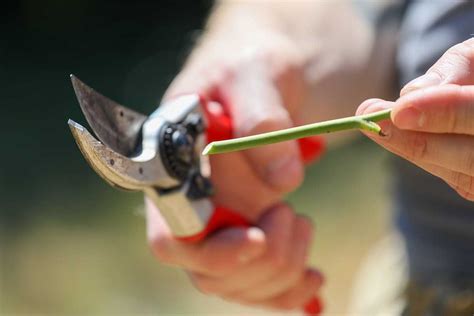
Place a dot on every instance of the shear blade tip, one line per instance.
(78, 85)
(75, 126)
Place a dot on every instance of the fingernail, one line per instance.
(377, 106)
(409, 118)
(366, 104)
(283, 171)
(427, 80)
(256, 239)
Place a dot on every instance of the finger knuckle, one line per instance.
(270, 57)
(464, 182)
(466, 195)
(287, 303)
(238, 298)
(205, 286)
(305, 225)
(253, 53)
(470, 162)
(469, 197)
(251, 58)
(438, 72)
(218, 267)
(287, 72)
(459, 51)
(469, 42)
(285, 211)
(293, 274)
(470, 186)
(468, 48)
(159, 248)
(417, 147)
(278, 261)
(458, 55)
(288, 272)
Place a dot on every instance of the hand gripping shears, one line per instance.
(160, 154)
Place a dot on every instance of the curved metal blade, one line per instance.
(116, 126)
(115, 168)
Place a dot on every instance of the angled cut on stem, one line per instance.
(365, 122)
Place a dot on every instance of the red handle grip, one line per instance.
(220, 127)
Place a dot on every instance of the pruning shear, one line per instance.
(160, 154)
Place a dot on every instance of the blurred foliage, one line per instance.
(69, 243)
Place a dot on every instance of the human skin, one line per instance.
(272, 65)
(432, 123)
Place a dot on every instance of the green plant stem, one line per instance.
(364, 122)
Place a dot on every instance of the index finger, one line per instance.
(440, 109)
(454, 67)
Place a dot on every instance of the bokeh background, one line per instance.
(72, 245)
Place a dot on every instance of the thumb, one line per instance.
(454, 67)
(256, 107)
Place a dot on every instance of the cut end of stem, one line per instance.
(208, 149)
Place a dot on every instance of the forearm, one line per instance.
(334, 46)
(347, 62)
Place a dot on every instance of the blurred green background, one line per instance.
(72, 245)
